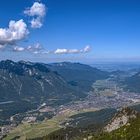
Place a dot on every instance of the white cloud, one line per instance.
(16, 31)
(87, 49)
(72, 51)
(38, 49)
(36, 52)
(45, 52)
(19, 49)
(36, 23)
(2, 46)
(66, 51)
(37, 11)
(33, 49)
(38, 46)
(60, 51)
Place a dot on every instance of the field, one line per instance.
(34, 130)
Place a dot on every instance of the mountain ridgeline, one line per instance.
(32, 84)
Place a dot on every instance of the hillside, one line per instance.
(128, 131)
(79, 75)
(125, 125)
(133, 83)
(31, 84)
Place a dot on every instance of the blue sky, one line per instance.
(80, 30)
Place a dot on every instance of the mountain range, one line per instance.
(26, 85)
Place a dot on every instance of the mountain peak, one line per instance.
(25, 62)
(7, 61)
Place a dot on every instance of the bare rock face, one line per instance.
(120, 119)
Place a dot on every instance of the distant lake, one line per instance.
(7, 102)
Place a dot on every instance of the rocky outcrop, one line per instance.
(120, 119)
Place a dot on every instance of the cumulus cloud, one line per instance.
(16, 31)
(37, 11)
(36, 23)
